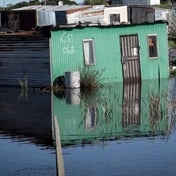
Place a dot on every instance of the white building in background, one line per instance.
(154, 2)
(114, 15)
(135, 2)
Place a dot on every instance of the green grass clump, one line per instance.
(90, 80)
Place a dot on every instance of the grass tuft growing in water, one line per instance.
(24, 87)
(90, 81)
(23, 83)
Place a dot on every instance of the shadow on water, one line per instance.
(26, 118)
(115, 112)
(26, 143)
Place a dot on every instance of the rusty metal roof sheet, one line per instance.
(57, 15)
(55, 7)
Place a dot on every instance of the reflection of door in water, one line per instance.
(130, 58)
(90, 120)
(131, 107)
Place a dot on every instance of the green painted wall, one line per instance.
(67, 50)
(154, 68)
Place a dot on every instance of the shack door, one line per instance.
(130, 58)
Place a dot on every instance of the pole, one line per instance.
(59, 157)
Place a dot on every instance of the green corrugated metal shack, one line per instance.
(126, 53)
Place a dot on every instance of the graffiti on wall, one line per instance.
(67, 43)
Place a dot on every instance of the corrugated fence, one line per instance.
(24, 57)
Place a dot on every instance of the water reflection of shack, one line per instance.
(115, 111)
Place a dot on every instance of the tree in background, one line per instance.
(168, 2)
(55, 2)
(172, 24)
(37, 2)
(95, 2)
(23, 4)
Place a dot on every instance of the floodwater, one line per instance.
(121, 130)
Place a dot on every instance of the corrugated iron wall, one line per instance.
(24, 57)
(139, 15)
(67, 51)
(154, 68)
(18, 20)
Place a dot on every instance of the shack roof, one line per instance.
(72, 8)
(67, 15)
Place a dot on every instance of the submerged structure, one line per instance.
(127, 43)
(127, 46)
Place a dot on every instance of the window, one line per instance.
(89, 52)
(114, 18)
(152, 46)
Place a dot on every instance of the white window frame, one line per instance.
(89, 52)
(155, 45)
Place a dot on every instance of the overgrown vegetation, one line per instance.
(172, 40)
(95, 2)
(154, 108)
(23, 4)
(172, 25)
(159, 105)
(23, 83)
(165, 5)
(90, 81)
(37, 2)
(172, 44)
(172, 72)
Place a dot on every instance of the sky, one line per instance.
(5, 2)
